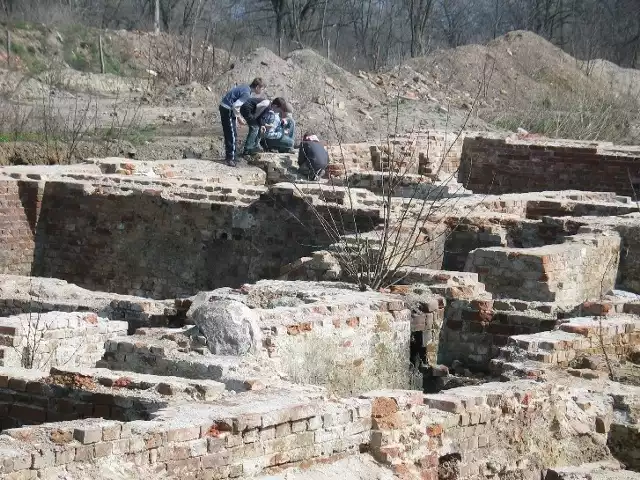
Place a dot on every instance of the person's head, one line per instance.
(281, 106)
(257, 85)
(310, 137)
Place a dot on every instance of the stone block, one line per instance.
(88, 434)
(65, 455)
(183, 434)
(283, 430)
(215, 460)
(103, 449)
(85, 453)
(314, 423)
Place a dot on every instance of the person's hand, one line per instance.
(241, 121)
(263, 129)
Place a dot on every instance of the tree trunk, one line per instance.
(279, 33)
(8, 48)
(101, 54)
(156, 17)
(191, 36)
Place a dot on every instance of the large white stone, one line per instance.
(230, 327)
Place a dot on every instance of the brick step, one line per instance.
(521, 369)
(604, 470)
(573, 337)
(542, 356)
(606, 326)
(550, 341)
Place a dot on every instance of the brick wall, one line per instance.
(31, 397)
(351, 340)
(19, 206)
(235, 439)
(44, 340)
(474, 331)
(458, 434)
(430, 154)
(491, 165)
(136, 242)
(582, 268)
(628, 228)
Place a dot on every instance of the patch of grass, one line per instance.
(23, 25)
(6, 137)
(135, 135)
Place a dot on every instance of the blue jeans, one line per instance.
(251, 143)
(285, 142)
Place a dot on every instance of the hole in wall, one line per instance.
(449, 467)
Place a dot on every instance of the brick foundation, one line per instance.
(498, 165)
(19, 209)
(581, 268)
(131, 240)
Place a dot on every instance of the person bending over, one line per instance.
(230, 114)
(312, 157)
(253, 111)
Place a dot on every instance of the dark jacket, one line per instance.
(313, 154)
(248, 110)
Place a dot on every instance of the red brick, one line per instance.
(353, 322)
(434, 430)
(383, 407)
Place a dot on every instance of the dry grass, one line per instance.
(582, 115)
(321, 360)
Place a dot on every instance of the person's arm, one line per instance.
(236, 106)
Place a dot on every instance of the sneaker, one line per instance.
(232, 163)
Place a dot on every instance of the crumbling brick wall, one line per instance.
(43, 340)
(582, 268)
(495, 430)
(19, 206)
(139, 243)
(237, 439)
(474, 331)
(497, 165)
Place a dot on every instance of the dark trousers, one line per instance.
(228, 118)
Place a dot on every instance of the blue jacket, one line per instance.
(235, 97)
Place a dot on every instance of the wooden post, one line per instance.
(8, 48)
(101, 54)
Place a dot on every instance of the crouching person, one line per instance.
(312, 157)
(279, 127)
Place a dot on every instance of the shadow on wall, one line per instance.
(139, 243)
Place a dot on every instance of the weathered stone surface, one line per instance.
(231, 328)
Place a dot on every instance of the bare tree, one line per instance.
(419, 13)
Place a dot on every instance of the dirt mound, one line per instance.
(327, 99)
(624, 81)
(521, 80)
(515, 69)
